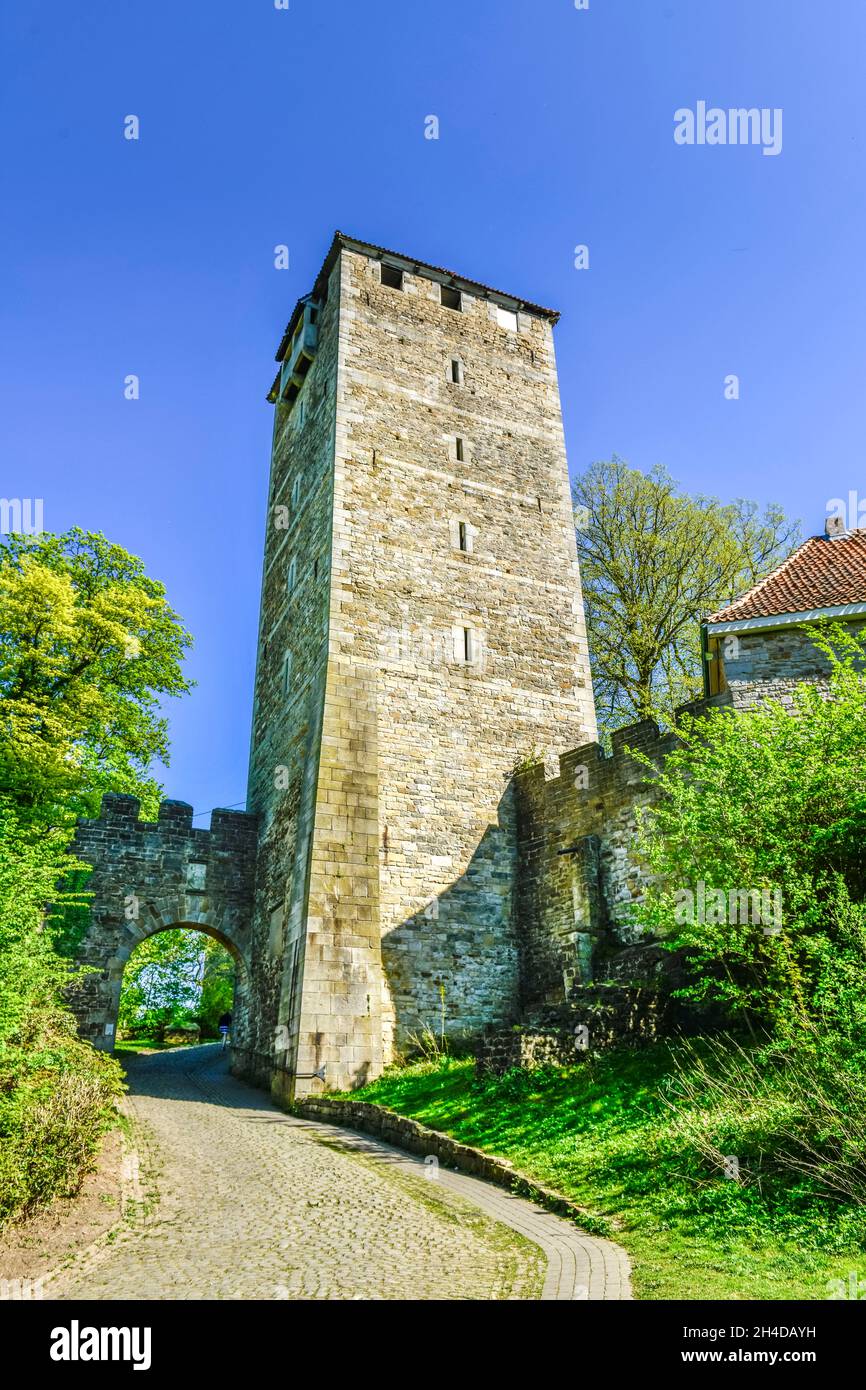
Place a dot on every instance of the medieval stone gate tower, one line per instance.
(421, 630)
(421, 633)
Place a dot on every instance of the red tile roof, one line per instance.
(820, 573)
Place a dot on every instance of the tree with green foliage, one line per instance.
(654, 561)
(88, 647)
(217, 987)
(162, 982)
(176, 977)
(770, 800)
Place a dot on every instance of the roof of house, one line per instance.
(823, 572)
(411, 264)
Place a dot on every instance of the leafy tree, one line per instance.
(770, 799)
(174, 977)
(217, 986)
(162, 981)
(88, 645)
(654, 561)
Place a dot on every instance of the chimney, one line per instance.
(834, 526)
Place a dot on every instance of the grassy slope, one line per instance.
(601, 1134)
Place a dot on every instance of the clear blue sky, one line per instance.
(261, 127)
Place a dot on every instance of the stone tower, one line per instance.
(421, 632)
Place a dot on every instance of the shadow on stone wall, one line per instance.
(462, 941)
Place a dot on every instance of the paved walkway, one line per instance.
(256, 1204)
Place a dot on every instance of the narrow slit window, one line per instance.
(468, 645)
(456, 371)
(287, 673)
(296, 491)
(392, 276)
(451, 298)
(292, 574)
(458, 450)
(462, 536)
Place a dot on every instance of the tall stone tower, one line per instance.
(421, 632)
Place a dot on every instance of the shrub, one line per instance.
(52, 1117)
(770, 800)
(56, 1092)
(794, 1115)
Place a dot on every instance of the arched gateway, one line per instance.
(150, 876)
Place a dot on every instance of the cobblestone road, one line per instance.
(236, 1200)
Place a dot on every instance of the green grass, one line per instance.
(602, 1134)
(151, 1045)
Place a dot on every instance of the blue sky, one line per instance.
(262, 126)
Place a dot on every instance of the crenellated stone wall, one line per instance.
(149, 876)
(578, 871)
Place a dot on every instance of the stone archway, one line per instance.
(118, 963)
(150, 877)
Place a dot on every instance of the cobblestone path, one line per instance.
(233, 1199)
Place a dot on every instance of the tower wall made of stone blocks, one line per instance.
(289, 711)
(435, 537)
(579, 872)
(150, 876)
(420, 455)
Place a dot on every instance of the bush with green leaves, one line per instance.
(56, 1093)
(792, 1118)
(765, 799)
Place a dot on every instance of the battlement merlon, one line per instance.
(121, 834)
(229, 829)
(618, 767)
